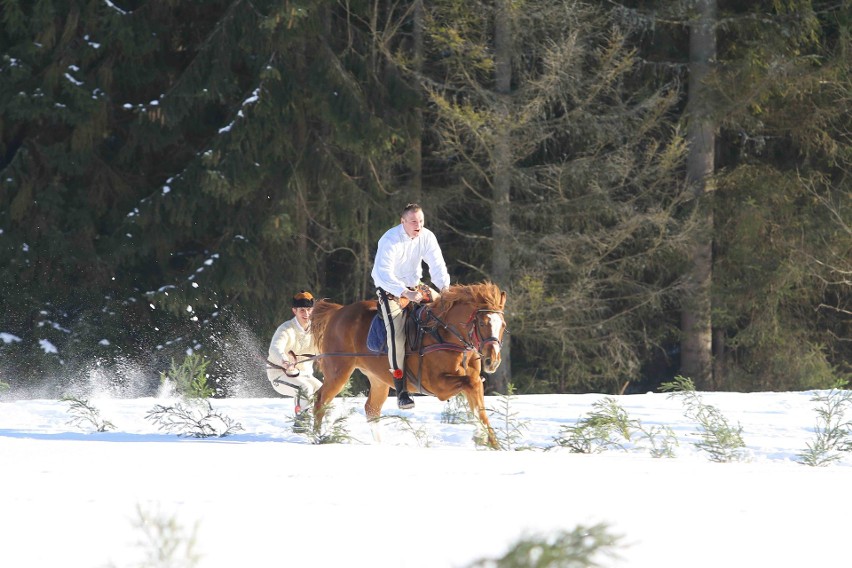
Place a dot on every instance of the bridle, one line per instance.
(470, 335)
(474, 329)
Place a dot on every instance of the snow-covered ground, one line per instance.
(424, 496)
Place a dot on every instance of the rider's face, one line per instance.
(412, 222)
(303, 315)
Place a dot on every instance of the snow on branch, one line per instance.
(255, 97)
(116, 8)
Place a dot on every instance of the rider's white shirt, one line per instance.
(291, 336)
(399, 261)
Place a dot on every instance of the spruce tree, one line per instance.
(593, 164)
(169, 165)
(782, 288)
(775, 94)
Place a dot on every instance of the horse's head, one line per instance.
(476, 311)
(486, 334)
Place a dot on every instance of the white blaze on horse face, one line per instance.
(496, 322)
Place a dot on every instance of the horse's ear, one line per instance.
(502, 299)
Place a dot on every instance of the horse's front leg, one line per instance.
(336, 374)
(475, 395)
(453, 382)
(321, 402)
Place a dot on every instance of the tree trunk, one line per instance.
(720, 357)
(416, 162)
(365, 283)
(696, 322)
(300, 269)
(502, 171)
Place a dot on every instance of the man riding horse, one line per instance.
(397, 271)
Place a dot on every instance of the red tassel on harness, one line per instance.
(397, 373)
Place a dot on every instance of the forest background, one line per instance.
(661, 186)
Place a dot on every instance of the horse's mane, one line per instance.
(485, 295)
(320, 316)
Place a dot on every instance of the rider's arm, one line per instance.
(435, 259)
(283, 341)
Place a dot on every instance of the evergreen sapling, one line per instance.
(507, 427)
(86, 416)
(722, 441)
(193, 418)
(193, 415)
(833, 432)
(582, 547)
(609, 426)
(606, 427)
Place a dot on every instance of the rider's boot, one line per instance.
(301, 418)
(403, 400)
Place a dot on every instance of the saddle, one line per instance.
(377, 337)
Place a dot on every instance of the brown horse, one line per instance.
(461, 335)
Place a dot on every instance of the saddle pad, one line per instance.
(377, 337)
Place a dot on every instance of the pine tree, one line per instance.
(782, 286)
(780, 72)
(178, 162)
(592, 165)
(170, 170)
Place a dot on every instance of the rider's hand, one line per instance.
(412, 295)
(290, 369)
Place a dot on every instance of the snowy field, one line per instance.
(425, 496)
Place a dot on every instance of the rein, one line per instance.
(474, 340)
(471, 341)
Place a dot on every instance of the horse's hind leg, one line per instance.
(373, 407)
(376, 399)
(335, 375)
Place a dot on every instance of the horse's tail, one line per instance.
(320, 316)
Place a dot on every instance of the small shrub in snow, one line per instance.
(189, 379)
(584, 547)
(332, 431)
(192, 416)
(832, 431)
(718, 438)
(164, 543)
(456, 411)
(507, 427)
(86, 416)
(405, 424)
(193, 419)
(606, 427)
(661, 439)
